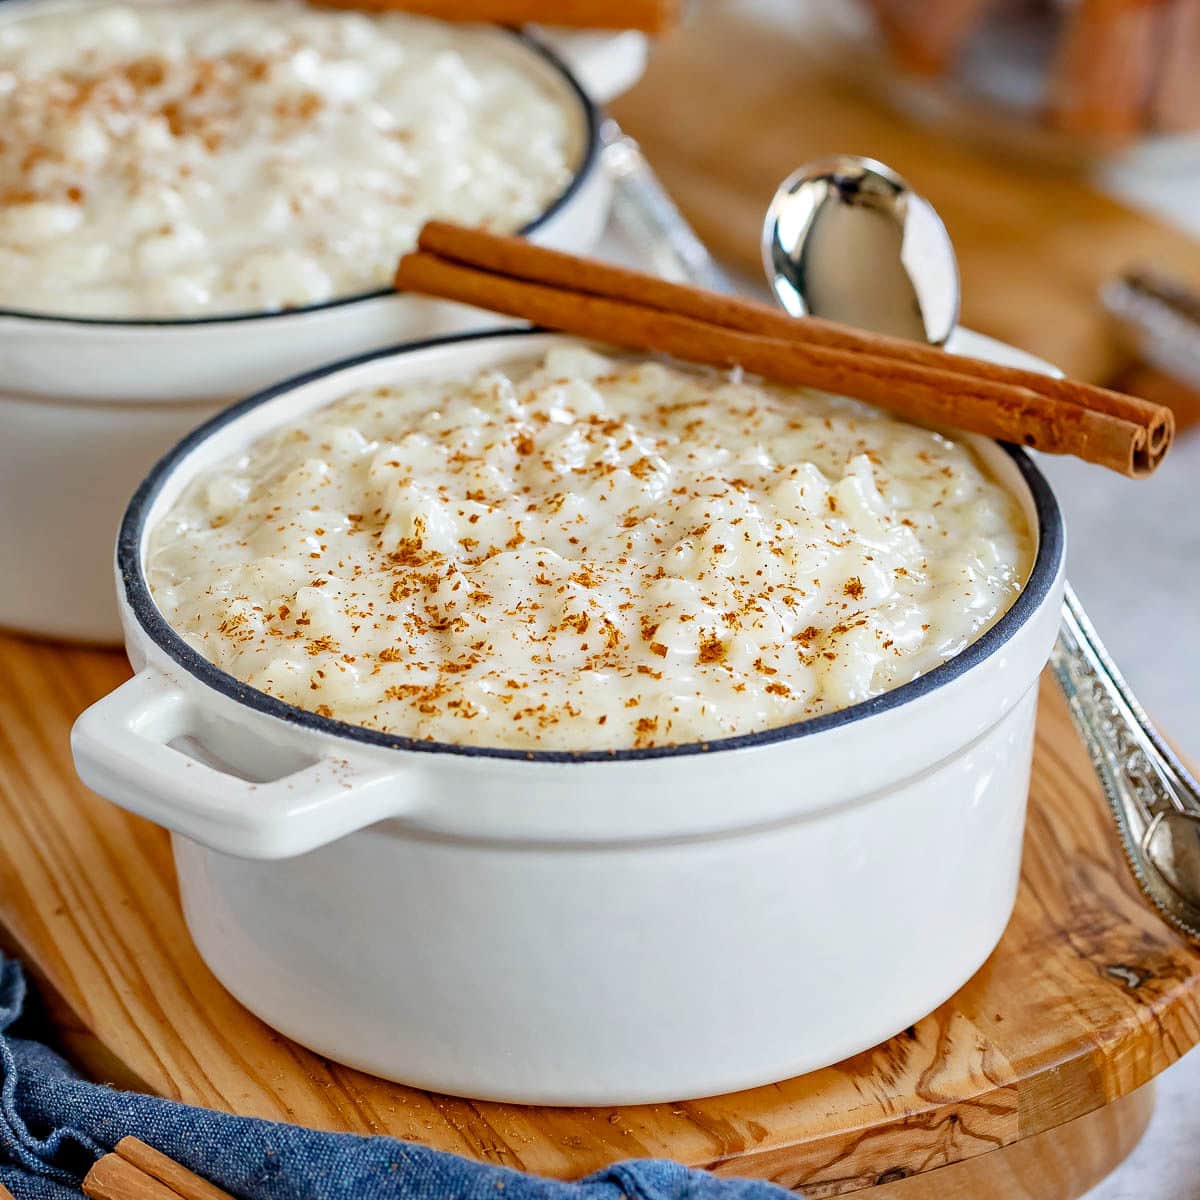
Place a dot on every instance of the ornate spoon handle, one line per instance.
(1155, 801)
(1153, 796)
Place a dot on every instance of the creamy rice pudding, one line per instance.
(587, 553)
(169, 158)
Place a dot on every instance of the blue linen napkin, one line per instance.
(54, 1125)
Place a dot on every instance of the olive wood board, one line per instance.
(1087, 998)
(1034, 242)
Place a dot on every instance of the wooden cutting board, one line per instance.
(1088, 997)
(733, 102)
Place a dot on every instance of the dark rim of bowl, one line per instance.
(1047, 562)
(587, 164)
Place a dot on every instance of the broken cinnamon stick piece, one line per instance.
(167, 1171)
(112, 1178)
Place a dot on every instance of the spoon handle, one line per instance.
(645, 211)
(1154, 799)
(1160, 318)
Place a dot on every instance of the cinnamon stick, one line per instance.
(1175, 106)
(649, 16)
(1105, 66)
(926, 36)
(641, 312)
(167, 1171)
(919, 393)
(112, 1178)
(521, 259)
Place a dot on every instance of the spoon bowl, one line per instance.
(847, 239)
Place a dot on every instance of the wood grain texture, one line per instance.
(1088, 997)
(1060, 1164)
(1034, 243)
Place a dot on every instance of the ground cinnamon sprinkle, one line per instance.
(634, 576)
(165, 159)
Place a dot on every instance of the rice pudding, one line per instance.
(588, 553)
(166, 158)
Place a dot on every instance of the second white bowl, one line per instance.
(87, 405)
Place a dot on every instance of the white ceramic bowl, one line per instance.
(87, 405)
(577, 929)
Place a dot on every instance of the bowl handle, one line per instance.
(122, 751)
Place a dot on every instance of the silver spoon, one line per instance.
(847, 239)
